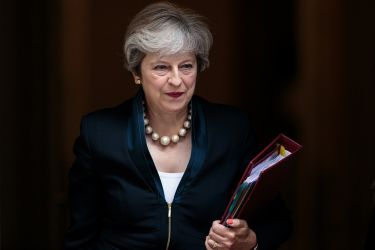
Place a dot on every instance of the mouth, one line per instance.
(175, 94)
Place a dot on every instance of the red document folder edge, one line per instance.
(269, 182)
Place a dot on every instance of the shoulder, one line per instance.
(109, 114)
(227, 123)
(105, 126)
(223, 114)
(229, 129)
(106, 121)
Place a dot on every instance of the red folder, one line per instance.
(262, 179)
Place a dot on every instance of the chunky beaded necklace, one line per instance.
(165, 140)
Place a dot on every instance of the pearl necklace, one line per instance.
(165, 140)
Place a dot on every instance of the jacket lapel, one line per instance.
(199, 148)
(136, 143)
(137, 146)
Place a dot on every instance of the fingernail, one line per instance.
(230, 221)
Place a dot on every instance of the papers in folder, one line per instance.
(245, 188)
(267, 166)
(279, 153)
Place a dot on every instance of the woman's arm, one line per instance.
(83, 196)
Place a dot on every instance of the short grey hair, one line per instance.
(166, 29)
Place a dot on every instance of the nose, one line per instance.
(175, 78)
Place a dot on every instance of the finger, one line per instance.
(217, 227)
(216, 237)
(220, 233)
(208, 247)
(220, 240)
(237, 223)
(225, 239)
(211, 243)
(240, 228)
(216, 222)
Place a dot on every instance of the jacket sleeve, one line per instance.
(84, 197)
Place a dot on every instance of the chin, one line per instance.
(176, 106)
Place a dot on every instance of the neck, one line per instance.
(167, 123)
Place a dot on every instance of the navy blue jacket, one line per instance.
(116, 197)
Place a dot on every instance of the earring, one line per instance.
(138, 81)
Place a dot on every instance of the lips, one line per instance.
(175, 94)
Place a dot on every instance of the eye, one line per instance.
(161, 67)
(186, 66)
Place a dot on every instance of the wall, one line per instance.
(304, 68)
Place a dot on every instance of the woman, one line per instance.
(157, 171)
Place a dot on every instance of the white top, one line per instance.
(170, 183)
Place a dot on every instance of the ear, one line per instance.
(137, 78)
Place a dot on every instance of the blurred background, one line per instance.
(301, 67)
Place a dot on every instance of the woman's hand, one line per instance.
(237, 236)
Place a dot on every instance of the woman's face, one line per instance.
(168, 81)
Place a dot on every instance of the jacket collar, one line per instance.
(136, 143)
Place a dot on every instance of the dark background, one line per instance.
(301, 67)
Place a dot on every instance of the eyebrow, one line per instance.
(191, 60)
